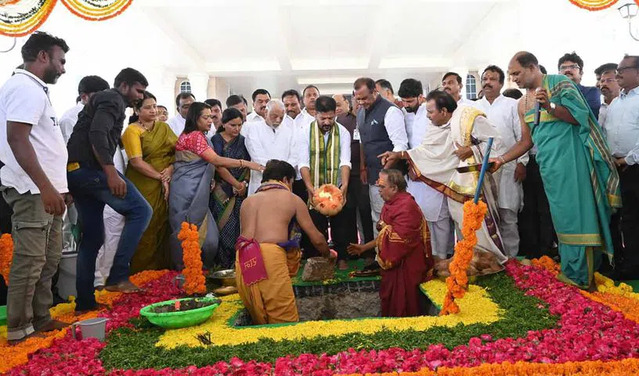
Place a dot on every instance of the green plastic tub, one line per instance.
(3, 315)
(183, 319)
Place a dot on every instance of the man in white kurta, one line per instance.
(458, 138)
(432, 202)
(113, 226)
(269, 139)
(452, 84)
(502, 112)
(183, 102)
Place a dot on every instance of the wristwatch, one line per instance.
(553, 106)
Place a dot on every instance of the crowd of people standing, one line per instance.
(555, 189)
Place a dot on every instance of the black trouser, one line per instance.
(357, 197)
(629, 182)
(299, 188)
(536, 230)
(343, 231)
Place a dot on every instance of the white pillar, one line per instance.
(199, 85)
(218, 89)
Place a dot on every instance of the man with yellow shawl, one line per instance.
(578, 172)
(325, 158)
(268, 251)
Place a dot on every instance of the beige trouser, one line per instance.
(509, 231)
(37, 247)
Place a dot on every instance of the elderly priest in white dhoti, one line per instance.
(458, 138)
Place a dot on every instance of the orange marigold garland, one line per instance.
(194, 281)
(20, 18)
(548, 264)
(594, 5)
(6, 256)
(457, 282)
(92, 10)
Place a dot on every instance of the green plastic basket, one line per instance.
(183, 319)
(3, 315)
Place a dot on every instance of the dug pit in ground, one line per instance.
(339, 301)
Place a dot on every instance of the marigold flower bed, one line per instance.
(542, 327)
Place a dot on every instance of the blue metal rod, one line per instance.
(482, 173)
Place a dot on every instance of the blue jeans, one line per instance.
(90, 193)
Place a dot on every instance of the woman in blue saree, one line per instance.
(230, 186)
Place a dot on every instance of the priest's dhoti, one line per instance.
(271, 300)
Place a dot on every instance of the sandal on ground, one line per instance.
(98, 307)
(126, 287)
(52, 325)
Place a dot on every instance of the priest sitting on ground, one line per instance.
(404, 250)
(268, 252)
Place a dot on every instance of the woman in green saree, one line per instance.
(150, 146)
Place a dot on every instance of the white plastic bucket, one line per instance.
(91, 328)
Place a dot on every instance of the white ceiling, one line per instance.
(281, 44)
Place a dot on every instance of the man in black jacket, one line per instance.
(94, 182)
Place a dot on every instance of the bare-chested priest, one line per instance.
(268, 252)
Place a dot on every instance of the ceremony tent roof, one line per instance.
(224, 46)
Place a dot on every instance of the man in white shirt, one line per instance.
(183, 102)
(34, 184)
(381, 128)
(113, 226)
(216, 112)
(238, 102)
(622, 132)
(607, 83)
(502, 113)
(291, 99)
(452, 84)
(325, 158)
(385, 89)
(88, 86)
(432, 202)
(260, 98)
(269, 139)
(307, 116)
